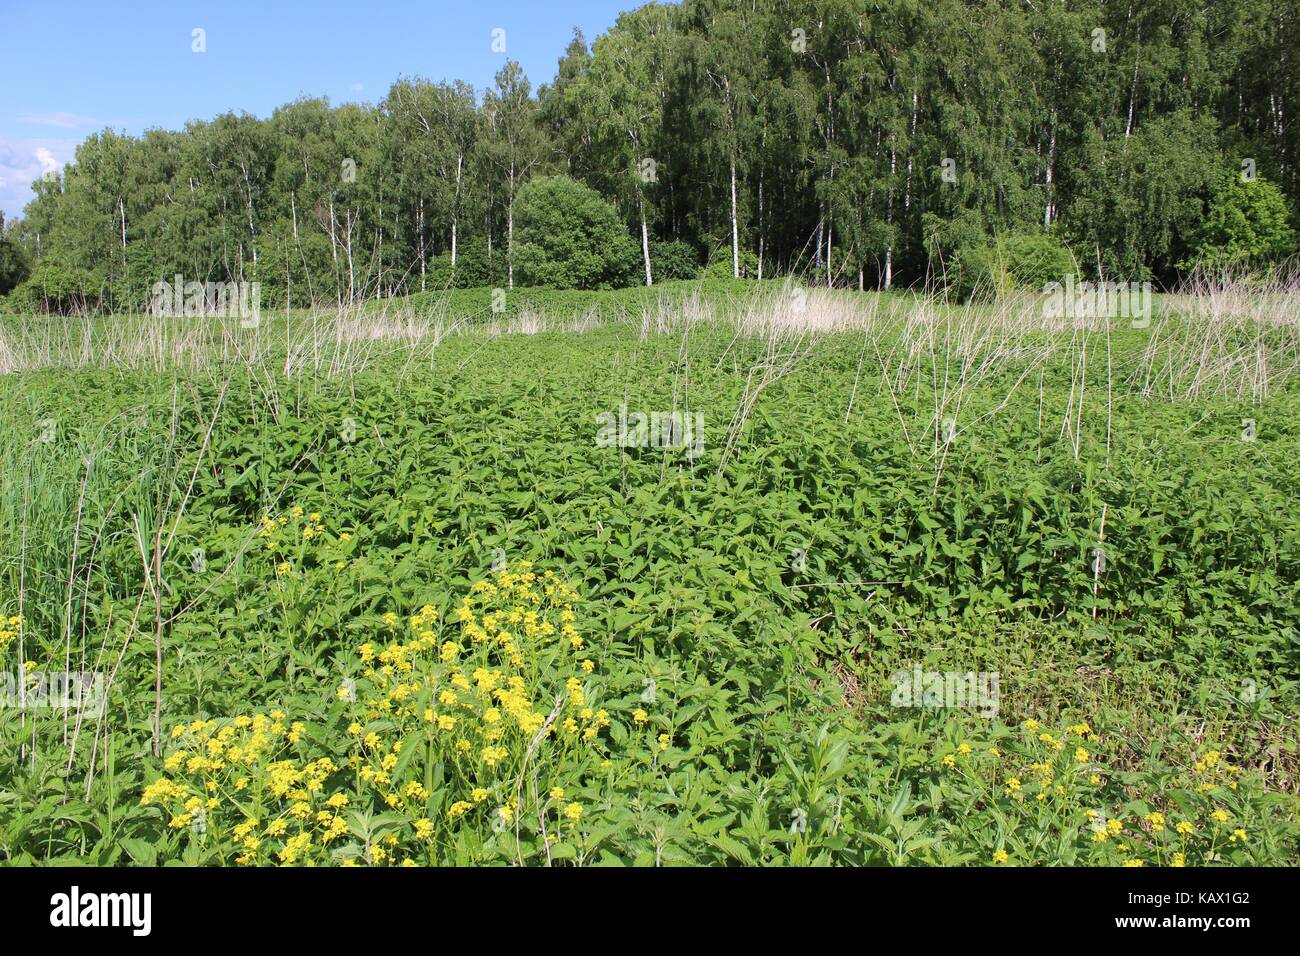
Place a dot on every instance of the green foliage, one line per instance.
(721, 266)
(674, 260)
(707, 124)
(570, 238)
(1027, 261)
(1137, 199)
(749, 700)
(1246, 223)
(53, 287)
(14, 266)
(474, 268)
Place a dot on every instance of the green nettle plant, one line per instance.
(722, 684)
(364, 584)
(568, 237)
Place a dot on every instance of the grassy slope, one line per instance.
(688, 581)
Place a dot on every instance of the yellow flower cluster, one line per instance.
(485, 701)
(1053, 779)
(487, 723)
(291, 536)
(237, 768)
(10, 630)
(1212, 771)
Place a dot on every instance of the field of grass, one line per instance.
(363, 586)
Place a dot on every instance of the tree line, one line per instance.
(866, 144)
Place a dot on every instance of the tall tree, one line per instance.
(514, 143)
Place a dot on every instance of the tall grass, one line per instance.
(1238, 337)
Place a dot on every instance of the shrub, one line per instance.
(997, 266)
(474, 268)
(14, 267)
(302, 267)
(720, 266)
(53, 287)
(568, 237)
(1245, 223)
(674, 260)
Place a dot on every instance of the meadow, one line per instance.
(362, 587)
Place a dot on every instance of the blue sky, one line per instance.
(75, 66)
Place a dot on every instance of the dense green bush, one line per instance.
(720, 264)
(1003, 264)
(568, 237)
(1245, 223)
(302, 268)
(674, 260)
(474, 267)
(13, 264)
(53, 287)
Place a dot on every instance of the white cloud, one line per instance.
(22, 161)
(48, 163)
(357, 87)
